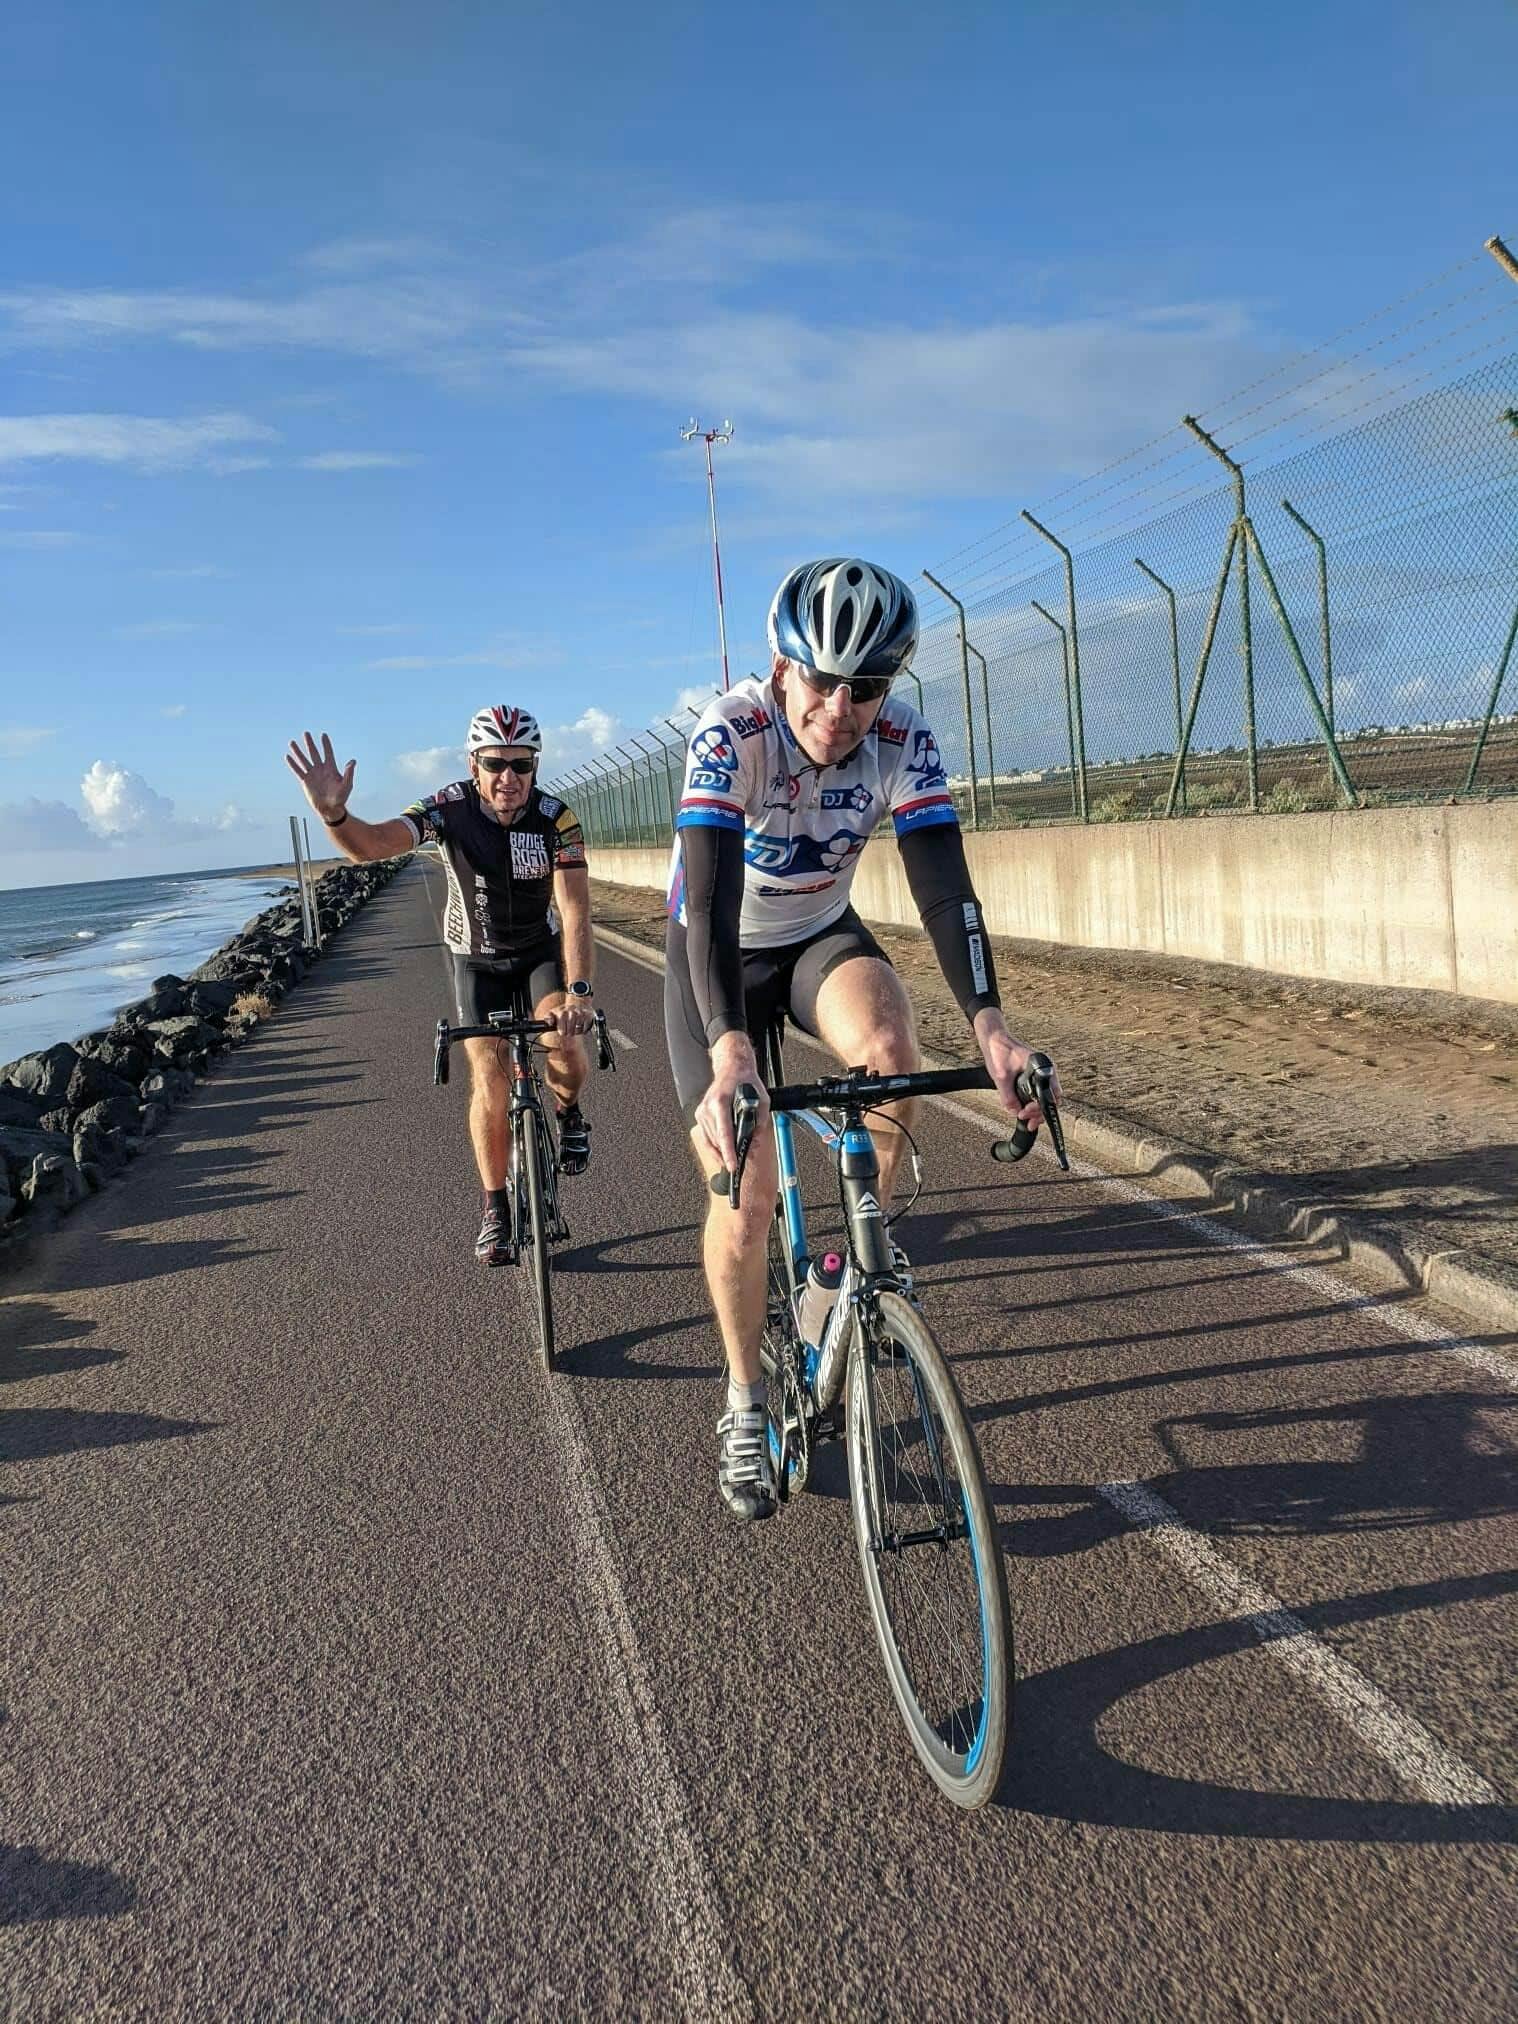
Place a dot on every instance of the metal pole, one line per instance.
(587, 809)
(637, 799)
(307, 933)
(917, 685)
(637, 738)
(964, 662)
(614, 812)
(1201, 667)
(1064, 655)
(1335, 757)
(670, 790)
(1503, 257)
(1323, 621)
(1175, 658)
(1075, 658)
(985, 693)
(710, 436)
(316, 912)
(1246, 636)
(1491, 702)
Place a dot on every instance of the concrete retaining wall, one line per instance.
(1417, 898)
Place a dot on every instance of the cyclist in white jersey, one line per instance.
(785, 779)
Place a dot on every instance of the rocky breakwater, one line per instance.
(72, 1115)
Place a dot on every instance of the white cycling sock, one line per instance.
(744, 1397)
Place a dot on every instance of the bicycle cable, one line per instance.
(894, 1215)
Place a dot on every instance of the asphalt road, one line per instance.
(352, 1668)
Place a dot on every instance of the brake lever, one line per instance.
(1035, 1084)
(440, 1055)
(745, 1119)
(605, 1053)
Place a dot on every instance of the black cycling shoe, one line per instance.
(493, 1244)
(574, 1142)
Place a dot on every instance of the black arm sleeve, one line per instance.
(713, 861)
(934, 859)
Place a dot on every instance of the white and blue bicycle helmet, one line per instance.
(845, 617)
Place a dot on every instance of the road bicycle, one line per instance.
(928, 1545)
(533, 1177)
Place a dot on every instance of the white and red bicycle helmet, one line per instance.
(500, 724)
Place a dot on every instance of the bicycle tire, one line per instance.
(793, 1465)
(956, 1706)
(531, 1155)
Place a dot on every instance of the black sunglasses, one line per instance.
(861, 688)
(521, 767)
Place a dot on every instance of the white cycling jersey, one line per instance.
(803, 826)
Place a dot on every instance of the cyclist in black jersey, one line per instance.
(517, 909)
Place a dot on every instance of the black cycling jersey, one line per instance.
(500, 875)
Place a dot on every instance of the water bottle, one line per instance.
(819, 1290)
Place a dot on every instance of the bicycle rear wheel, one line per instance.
(530, 1165)
(928, 1547)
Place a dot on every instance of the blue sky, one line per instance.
(343, 345)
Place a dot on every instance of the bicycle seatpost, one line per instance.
(1035, 1084)
(745, 1119)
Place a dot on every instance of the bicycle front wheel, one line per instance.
(928, 1547)
(530, 1157)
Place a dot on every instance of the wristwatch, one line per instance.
(580, 989)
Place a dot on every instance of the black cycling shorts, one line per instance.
(785, 980)
(480, 988)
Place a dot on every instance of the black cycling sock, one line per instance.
(499, 1198)
(567, 1110)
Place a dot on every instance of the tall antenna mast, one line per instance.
(689, 434)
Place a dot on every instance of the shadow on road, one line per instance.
(34, 1886)
(1059, 1768)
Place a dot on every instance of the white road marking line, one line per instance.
(1352, 1689)
(629, 1046)
(683, 1894)
(1417, 1758)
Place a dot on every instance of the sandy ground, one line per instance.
(1401, 1103)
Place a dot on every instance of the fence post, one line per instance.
(1491, 703)
(1175, 657)
(985, 695)
(637, 799)
(615, 811)
(316, 912)
(1208, 637)
(1064, 655)
(917, 685)
(1075, 659)
(637, 738)
(1335, 757)
(1240, 546)
(587, 810)
(964, 662)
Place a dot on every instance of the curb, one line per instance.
(1483, 1291)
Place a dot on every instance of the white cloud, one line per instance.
(192, 572)
(372, 631)
(572, 744)
(428, 767)
(363, 256)
(47, 826)
(159, 629)
(121, 803)
(173, 709)
(40, 538)
(145, 442)
(17, 740)
(357, 460)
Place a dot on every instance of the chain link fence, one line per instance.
(1332, 629)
